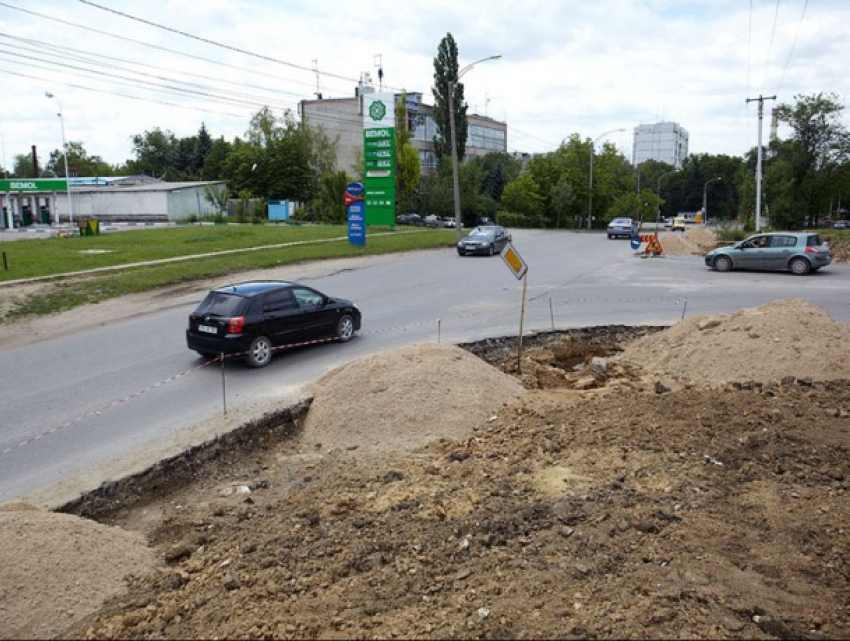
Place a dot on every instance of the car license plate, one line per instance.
(208, 329)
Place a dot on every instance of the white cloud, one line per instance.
(567, 67)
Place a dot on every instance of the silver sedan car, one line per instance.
(799, 253)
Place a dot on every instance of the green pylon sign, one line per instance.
(379, 157)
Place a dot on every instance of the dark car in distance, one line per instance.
(797, 252)
(487, 240)
(410, 219)
(254, 319)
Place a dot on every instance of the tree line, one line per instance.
(806, 177)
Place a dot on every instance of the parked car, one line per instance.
(409, 219)
(623, 228)
(450, 222)
(433, 221)
(487, 240)
(799, 253)
(252, 320)
(841, 224)
(679, 224)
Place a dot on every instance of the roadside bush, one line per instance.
(731, 234)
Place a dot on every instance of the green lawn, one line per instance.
(248, 247)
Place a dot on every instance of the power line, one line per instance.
(144, 44)
(214, 43)
(122, 95)
(793, 45)
(71, 53)
(770, 46)
(233, 99)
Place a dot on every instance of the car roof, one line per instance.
(786, 233)
(254, 287)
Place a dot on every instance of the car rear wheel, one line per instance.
(723, 264)
(800, 267)
(345, 328)
(260, 352)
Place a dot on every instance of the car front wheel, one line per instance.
(800, 267)
(723, 264)
(260, 352)
(345, 328)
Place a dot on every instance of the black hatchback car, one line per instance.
(251, 320)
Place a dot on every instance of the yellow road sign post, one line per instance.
(517, 265)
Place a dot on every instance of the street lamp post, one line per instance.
(705, 197)
(453, 129)
(658, 193)
(590, 185)
(65, 155)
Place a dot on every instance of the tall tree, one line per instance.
(203, 147)
(446, 75)
(214, 161)
(22, 167)
(155, 152)
(821, 144)
(524, 197)
(80, 163)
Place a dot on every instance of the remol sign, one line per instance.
(33, 184)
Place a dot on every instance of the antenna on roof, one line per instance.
(316, 69)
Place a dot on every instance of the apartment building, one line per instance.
(661, 141)
(342, 118)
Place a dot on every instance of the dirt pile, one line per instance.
(415, 395)
(694, 240)
(599, 502)
(784, 338)
(58, 567)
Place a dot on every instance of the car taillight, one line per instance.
(235, 325)
(812, 250)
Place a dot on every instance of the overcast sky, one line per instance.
(120, 68)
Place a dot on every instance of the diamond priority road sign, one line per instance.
(514, 261)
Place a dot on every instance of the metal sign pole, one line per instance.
(521, 319)
(223, 388)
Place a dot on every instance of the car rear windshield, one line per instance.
(813, 240)
(221, 304)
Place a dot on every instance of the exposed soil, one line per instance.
(609, 483)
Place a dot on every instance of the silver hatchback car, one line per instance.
(799, 253)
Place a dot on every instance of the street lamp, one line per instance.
(590, 185)
(65, 155)
(658, 193)
(455, 174)
(705, 198)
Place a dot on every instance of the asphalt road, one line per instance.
(89, 407)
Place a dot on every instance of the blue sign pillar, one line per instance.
(355, 207)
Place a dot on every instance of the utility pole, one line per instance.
(760, 100)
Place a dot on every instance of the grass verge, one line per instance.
(166, 253)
